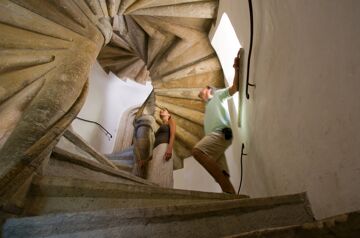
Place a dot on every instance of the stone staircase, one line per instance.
(73, 196)
(211, 219)
(166, 42)
(47, 49)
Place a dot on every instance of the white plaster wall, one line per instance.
(107, 99)
(304, 118)
(301, 126)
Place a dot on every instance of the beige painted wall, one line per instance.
(301, 126)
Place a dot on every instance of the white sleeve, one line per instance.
(222, 94)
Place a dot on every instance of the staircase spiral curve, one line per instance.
(48, 47)
(166, 42)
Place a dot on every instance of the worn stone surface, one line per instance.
(197, 220)
(54, 195)
(62, 155)
(55, 42)
(74, 169)
(346, 225)
(81, 143)
(123, 157)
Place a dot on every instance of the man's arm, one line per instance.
(235, 87)
(170, 146)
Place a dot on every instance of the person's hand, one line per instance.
(237, 60)
(238, 54)
(168, 154)
(236, 63)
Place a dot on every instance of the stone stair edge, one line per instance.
(248, 205)
(78, 160)
(329, 223)
(68, 182)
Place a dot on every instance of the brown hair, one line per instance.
(212, 89)
(165, 109)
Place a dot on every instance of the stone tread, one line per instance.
(212, 219)
(76, 159)
(345, 225)
(65, 186)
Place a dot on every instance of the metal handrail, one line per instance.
(107, 133)
(250, 49)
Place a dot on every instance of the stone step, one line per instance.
(124, 4)
(181, 151)
(97, 8)
(117, 47)
(115, 61)
(214, 219)
(125, 157)
(156, 53)
(113, 7)
(131, 71)
(178, 162)
(21, 16)
(186, 33)
(150, 4)
(120, 43)
(122, 66)
(190, 114)
(204, 66)
(142, 76)
(345, 225)
(123, 167)
(200, 24)
(124, 160)
(20, 79)
(60, 194)
(13, 108)
(11, 61)
(137, 38)
(67, 15)
(158, 40)
(198, 9)
(183, 93)
(194, 54)
(66, 164)
(78, 141)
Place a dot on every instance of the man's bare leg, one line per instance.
(214, 170)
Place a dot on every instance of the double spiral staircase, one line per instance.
(47, 48)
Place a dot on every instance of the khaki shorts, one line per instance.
(214, 146)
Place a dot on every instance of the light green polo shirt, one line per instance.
(216, 111)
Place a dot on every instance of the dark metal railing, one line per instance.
(241, 166)
(107, 133)
(250, 50)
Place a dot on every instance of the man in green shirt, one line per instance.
(209, 151)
